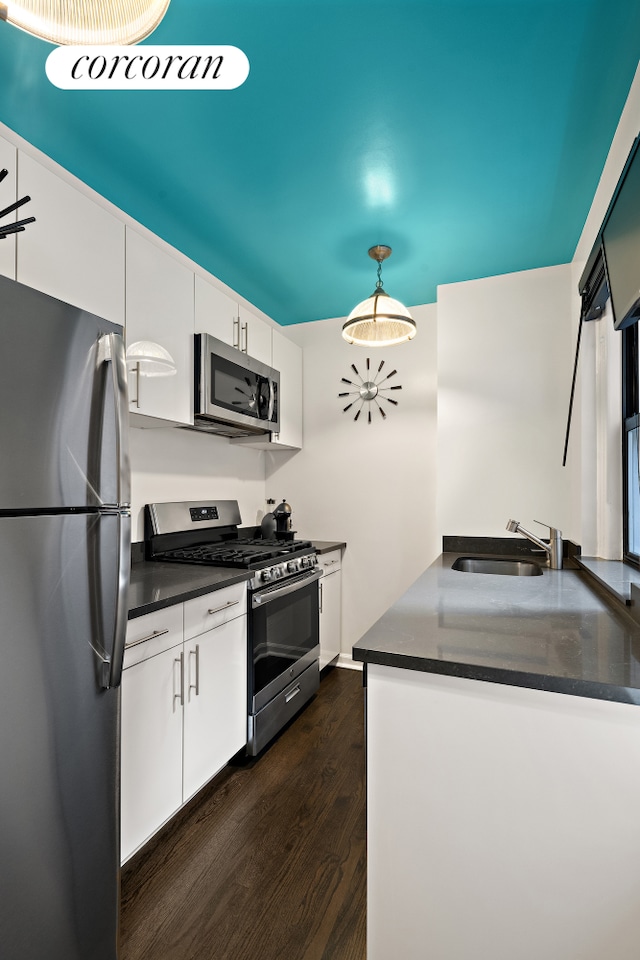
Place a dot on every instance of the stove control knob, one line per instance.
(292, 566)
(266, 575)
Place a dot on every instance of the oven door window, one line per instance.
(283, 631)
(236, 388)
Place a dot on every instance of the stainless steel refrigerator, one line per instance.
(64, 568)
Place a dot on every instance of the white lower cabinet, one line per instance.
(215, 684)
(330, 607)
(151, 726)
(151, 772)
(184, 709)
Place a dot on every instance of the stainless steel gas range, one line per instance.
(283, 607)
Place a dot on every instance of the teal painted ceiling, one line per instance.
(467, 135)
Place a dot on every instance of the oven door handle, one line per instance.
(266, 596)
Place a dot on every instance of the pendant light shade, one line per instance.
(379, 321)
(86, 21)
(151, 359)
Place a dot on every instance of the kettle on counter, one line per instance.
(268, 526)
(282, 514)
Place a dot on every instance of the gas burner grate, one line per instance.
(243, 552)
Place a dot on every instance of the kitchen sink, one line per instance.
(497, 565)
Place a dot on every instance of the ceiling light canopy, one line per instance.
(86, 21)
(379, 321)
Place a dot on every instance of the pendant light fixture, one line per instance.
(85, 21)
(146, 358)
(379, 321)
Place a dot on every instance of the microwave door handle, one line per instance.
(272, 400)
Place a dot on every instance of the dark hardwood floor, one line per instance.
(268, 861)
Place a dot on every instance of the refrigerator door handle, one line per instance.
(114, 353)
(113, 664)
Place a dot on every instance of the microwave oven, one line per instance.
(235, 395)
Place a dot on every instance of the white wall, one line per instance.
(372, 486)
(505, 357)
(174, 464)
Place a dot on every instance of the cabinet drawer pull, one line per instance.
(180, 695)
(230, 603)
(329, 563)
(195, 686)
(293, 693)
(152, 636)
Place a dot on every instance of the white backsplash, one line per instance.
(176, 464)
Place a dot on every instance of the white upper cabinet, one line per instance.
(216, 313)
(160, 308)
(223, 317)
(255, 336)
(287, 358)
(75, 249)
(8, 195)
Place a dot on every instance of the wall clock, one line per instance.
(19, 225)
(369, 390)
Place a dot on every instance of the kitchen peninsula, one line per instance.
(503, 769)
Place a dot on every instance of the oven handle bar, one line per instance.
(273, 593)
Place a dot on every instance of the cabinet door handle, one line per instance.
(231, 603)
(321, 586)
(151, 636)
(195, 686)
(236, 332)
(180, 695)
(245, 327)
(292, 693)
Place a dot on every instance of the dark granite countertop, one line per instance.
(155, 585)
(555, 632)
(325, 546)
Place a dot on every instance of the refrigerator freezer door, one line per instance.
(59, 739)
(62, 392)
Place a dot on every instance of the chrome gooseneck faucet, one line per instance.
(553, 549)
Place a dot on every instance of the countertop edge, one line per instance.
(512, 678)
(183, 593)
(326, 546)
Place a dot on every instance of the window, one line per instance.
(631, 443)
